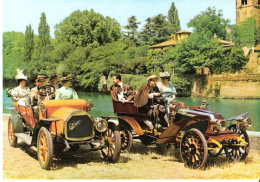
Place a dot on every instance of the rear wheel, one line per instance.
(11, 138)
(193, 149)
(45, 148)
(111, 138)
(126, 137)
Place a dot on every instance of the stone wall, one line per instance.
(227, 86)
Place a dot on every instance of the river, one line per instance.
(227, 107)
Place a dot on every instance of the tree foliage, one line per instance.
(131, 28)
(28, 43)
(85, 27)
(173, 19)
(209, 22)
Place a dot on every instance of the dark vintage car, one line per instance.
(62, 127)
(196, 131)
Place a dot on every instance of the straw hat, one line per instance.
(66, 78)
(42, 77)
(152, 77)
(165, 74)
(20, 75)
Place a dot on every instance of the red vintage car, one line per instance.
(62, 127)
(196, 131)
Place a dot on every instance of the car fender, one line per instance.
(41, 123)
(133, 123)
(113, 120)
(16, 120)
(169, 135)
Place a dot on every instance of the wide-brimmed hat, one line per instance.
(54, 76)
(165, 74)
(152, 77)
(66, 78)
(20, 75)
(42, 77)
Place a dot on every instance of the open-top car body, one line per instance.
(58, 127)
(196, 131)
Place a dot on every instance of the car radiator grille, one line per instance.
(79, 127)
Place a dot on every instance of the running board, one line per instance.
(26, 138)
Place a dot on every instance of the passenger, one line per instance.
(119, 91)
(147, 105)
(54, 81)
(35, 97)
(165, 85)
(21, 94)
(66, 92)
(204, 105)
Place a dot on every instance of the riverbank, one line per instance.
(245, 86)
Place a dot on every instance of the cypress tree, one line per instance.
(28, 43)
(44, 32)
(173, 19)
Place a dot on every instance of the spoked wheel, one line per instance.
(126, 137)
(193, 149)
(238, 153)
(11, 138)
(215, 152)
(45, 148)
(111, 138)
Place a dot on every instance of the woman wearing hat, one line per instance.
(165, 85)
(66, 92)
(21, 94)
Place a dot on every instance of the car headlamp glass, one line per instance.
(101, 125)
(222, 125)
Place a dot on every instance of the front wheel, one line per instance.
(193, 149)
(112, 140)
(126, 137)
(11, 138)
(45, 148)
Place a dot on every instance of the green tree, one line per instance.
(160, 28)
(173, 19)
(210, 22)
(28, 43)
(43, 32)
(86, 27)
(131, 28)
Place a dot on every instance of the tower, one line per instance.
(246, 9)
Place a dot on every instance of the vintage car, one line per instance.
(62, 127)
(196, 131)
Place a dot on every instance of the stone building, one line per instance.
(246, 9)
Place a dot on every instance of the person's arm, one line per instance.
(57, 94)
(14, 95)
(129, 93)
(74, 95)
(105, 88)
(173, 88)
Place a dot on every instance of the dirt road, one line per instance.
(140, 163)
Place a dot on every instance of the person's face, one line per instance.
(153, 82)
(67, 84)
(54, 80)
(23, 83)
(41, 82)
(115, 80)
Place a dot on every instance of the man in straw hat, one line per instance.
(66, 92)
(35, 97)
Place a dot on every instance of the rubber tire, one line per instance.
(130, 137)
(13, 142)
(205, 148)
(117, 140)
(49, 161)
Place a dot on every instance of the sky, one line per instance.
(17, 14)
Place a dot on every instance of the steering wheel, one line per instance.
(167, 94)
(46, 90)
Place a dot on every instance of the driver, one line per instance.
(35, 96)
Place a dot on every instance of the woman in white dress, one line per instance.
(21, 93)
(165, 85)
